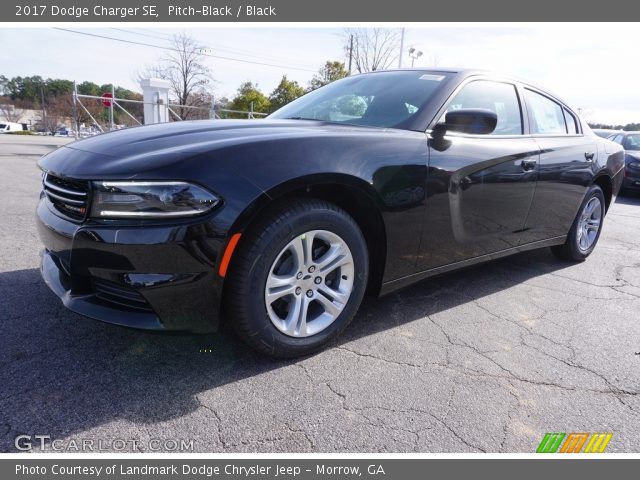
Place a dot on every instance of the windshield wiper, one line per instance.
(302, 118)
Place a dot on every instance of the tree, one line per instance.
(89, 88)
(373, 48)
(330, 72)
(11, 113)
(249, 94)
(285, 92)
(57, 113)
(186, 72)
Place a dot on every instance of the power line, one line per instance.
(236, 51)
(157, 37)
(133, 42)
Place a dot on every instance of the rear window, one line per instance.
(632, 142)
(547, 117)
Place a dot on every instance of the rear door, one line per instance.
(479, 187)
(564, 169)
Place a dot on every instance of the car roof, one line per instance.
(464, 73)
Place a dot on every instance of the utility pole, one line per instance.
(44, 112)
(113, 99)
(401, 48)
(350, 52)
(76, 122)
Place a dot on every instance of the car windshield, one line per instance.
(632, 142)
(383, 99)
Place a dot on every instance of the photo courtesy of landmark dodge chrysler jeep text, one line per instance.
(280, 226)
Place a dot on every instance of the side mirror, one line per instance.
(476, 121)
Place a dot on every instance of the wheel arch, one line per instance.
(354, 195)
(605, 182)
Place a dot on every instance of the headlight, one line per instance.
(131, 199)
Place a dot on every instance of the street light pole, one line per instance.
(401, 48)
(414, 53)
(350, 52)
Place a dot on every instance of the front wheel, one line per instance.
(586, 228)
(297, 278)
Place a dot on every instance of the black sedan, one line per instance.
(282, 225)
(630, 141)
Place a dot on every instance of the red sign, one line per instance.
(106, 102)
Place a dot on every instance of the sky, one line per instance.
(589, 66)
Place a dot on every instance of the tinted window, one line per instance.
(500, 98)
(570, 120)
(547, 117)
(384, 99)
(632, 142)
(617, 139)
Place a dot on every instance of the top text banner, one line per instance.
(315, 11)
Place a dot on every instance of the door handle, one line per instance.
(589, 156)
(529, 164)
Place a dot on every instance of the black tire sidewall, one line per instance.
(275, 237)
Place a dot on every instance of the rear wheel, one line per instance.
(586, 228)
(297, 278)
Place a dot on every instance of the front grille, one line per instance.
(119, 294)
(69, 197)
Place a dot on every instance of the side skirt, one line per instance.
(394, 285)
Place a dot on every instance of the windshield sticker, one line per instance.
(428, 76)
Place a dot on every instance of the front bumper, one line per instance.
(159, 277)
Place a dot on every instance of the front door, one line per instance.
(479, 187)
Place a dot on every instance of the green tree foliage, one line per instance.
(28, 93)
(89, 88)
(285, 92)
(629, 127)
(248, 93)
(330, 72)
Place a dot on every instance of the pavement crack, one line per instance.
(385, 360)
(218, 422)
(306, 435)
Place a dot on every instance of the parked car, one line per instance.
(9, 127)
(282, 225)
(63, 132)
(630, 141)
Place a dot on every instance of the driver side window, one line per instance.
(500, 98)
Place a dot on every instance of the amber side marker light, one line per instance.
(228, 252)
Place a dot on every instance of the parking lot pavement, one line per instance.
(488, 359)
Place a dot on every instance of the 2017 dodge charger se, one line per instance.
(282, 225)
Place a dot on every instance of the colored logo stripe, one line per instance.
(574, 443)
(550, 443)
(598, 442)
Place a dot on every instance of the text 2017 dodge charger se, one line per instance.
(281, 225)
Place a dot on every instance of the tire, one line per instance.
(582, 237)
(275, 251)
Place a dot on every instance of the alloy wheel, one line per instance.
(589, 224)
(309, 283)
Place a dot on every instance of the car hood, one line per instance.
(147, 148)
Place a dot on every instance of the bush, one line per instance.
(21, 132)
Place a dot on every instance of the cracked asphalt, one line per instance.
(484, 360)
